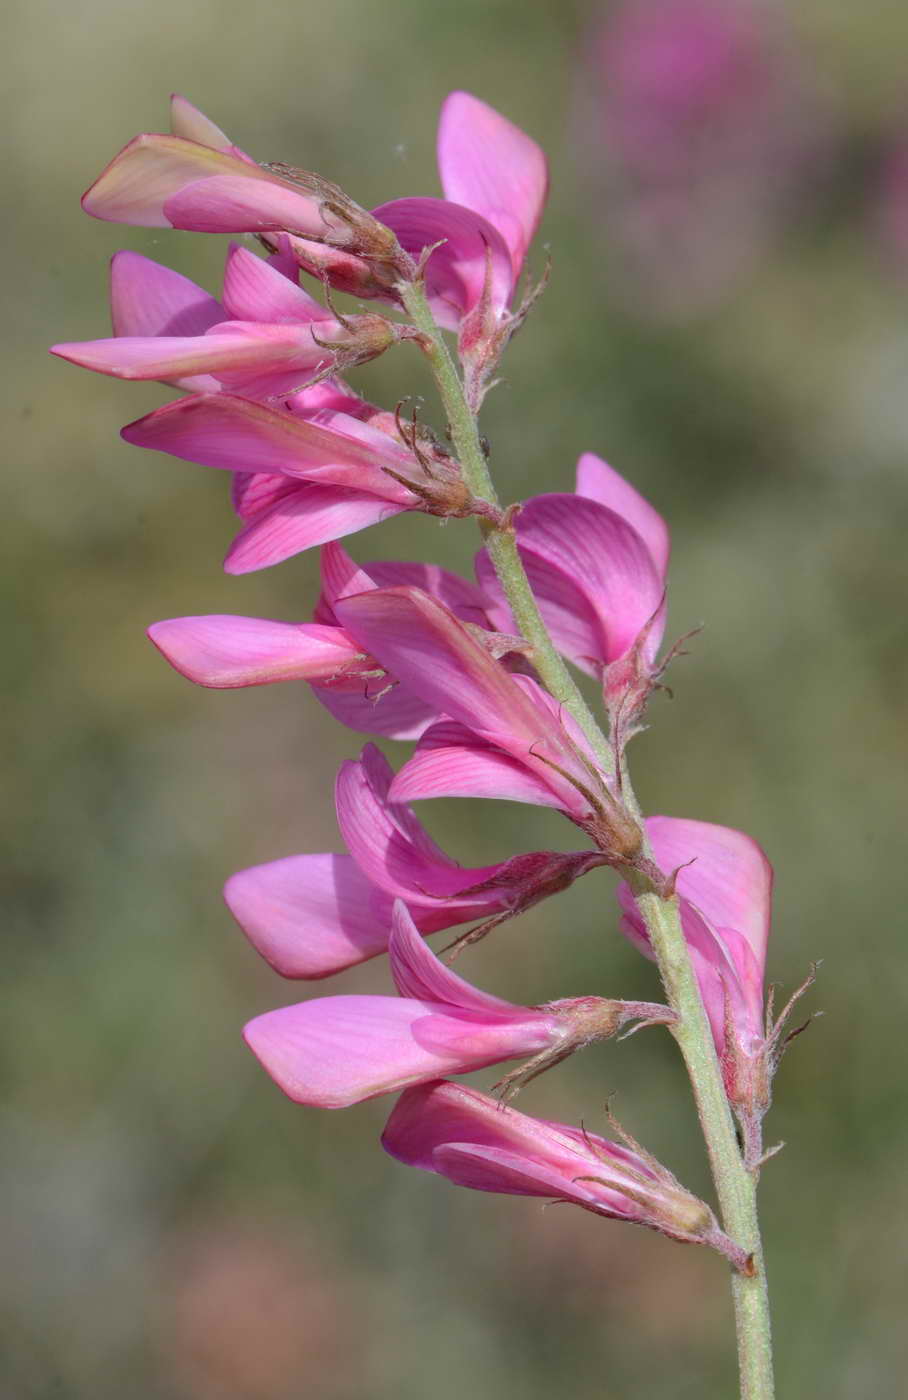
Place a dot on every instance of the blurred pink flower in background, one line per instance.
(697, 124)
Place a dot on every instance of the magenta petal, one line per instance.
(593, 575)
(147, 299)
(475, 1141)
(388, 842)
(377, 706)
(310, 915)
(599, 482)
(464, 599)
(469, 768)
(490, 165)
(244, 351)
(254, 290)
(419, 974)
(225, 652)
(421, 643)
(221, 430)
(730, 880)
(456, 271)
(309, 516)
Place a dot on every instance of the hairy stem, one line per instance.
(735, 1184)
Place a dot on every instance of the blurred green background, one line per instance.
(727, 323)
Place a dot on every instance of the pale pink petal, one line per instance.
(225, 652)
(592, 574)
(599, 482)
(148, 175)
(310, 915)
(419, 974)
(187, 121)
(254, 290)
(493, 1169)
(456, 271)
(309, 516)
(492, 166)
(253, 492)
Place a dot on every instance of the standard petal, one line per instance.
(150, 173)
(310, 915)
(593, 576)
(456, 271)
(729, 878)
(254, 290)
(224, 652)
(600, 482)
(309, 516)
(492, 166)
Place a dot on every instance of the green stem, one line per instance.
(500, 541)
(735, 1185)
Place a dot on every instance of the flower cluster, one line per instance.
(412, 652)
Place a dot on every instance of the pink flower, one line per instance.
(495, 182)
(472, 1140)
(724, 884)
(266, 340)
(337, 1051)
(597, 563)
(344, 473)
(225, 652)
(196, 179)
(504, 736)
(313, 915)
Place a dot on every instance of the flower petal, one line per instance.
(234, 434)
(492, 166)
(148, 299)
(254, 290)
(336, 1051)
(377, 706)
(160, 181)
(467, 767)
(187, 121)
(309, 516)
(423, 644)
(224, 652)
(419, 974)
(600, 482)
(310, 915)
(730, 879)
(456, 271)
(592, 574)
(389, 843)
